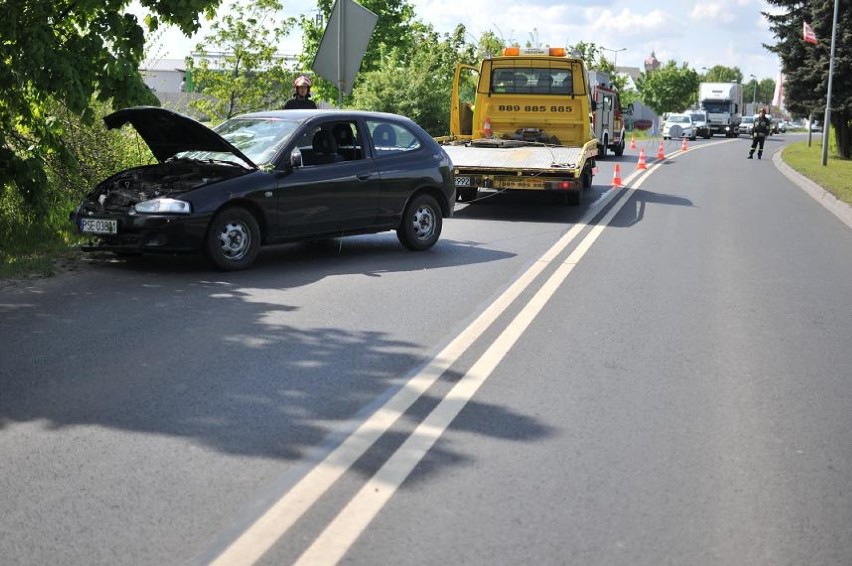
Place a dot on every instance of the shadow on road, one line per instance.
(634, 210)
(164, 346)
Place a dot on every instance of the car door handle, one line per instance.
(363, 176)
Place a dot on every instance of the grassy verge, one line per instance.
(35, 251)
(835, 176)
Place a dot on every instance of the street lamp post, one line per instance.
(615, 61)
(754, 96)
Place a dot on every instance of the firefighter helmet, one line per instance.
(302, 80)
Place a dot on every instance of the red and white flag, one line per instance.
(808, 33)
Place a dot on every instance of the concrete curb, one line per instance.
(837, 207)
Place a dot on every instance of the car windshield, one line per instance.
(678, 119)
(258, 138)
(748, 119)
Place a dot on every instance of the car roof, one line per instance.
(306, 114)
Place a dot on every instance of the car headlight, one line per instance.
(164, 206)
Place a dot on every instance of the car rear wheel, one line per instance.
(233, 239)
(421, 223)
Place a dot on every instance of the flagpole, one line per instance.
(826, 125)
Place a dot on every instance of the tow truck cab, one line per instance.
(529, 94)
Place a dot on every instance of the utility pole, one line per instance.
(754, 96)
(826, 126)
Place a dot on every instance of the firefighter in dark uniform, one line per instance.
(762, 124)
(301, 94)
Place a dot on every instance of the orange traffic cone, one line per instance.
(661, 153)
(616, 177)
(641, 164)
(632, 142)
(683, 145)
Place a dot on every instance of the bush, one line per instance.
(34, 228)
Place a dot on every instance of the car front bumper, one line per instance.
(145, 233)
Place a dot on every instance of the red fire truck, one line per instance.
(607, 115)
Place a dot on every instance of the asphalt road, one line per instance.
(659, 376)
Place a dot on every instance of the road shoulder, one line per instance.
(837, 207)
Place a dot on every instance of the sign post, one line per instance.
(343, 45)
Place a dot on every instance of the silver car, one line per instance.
(678, 126)
(747, 125)
(701, 124)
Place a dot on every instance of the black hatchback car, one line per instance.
(269, 177)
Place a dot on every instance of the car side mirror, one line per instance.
(296, 158)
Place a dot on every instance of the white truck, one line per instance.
(723, 103)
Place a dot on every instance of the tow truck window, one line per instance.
(532, 80)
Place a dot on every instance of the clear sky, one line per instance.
(702, 33)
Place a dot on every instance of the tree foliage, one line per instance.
(722, 74)
(668, 89)
(761, 92)
(245, 75)
(396, 32)
(595, 60)
(401, 86)
(64, 54)
(806, 66)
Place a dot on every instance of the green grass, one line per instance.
(34, 251)
(835, 176)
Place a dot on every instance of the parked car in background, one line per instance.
(269, 177)
(747, 125)
(816, 126)
(678, 126)
(701, 123)
(774, 124)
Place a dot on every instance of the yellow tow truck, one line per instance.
(521, 121)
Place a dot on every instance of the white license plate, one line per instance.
(462, 181)
(98, 226)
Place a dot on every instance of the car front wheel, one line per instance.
(421, 223)
(233, 239)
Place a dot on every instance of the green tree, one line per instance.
(722, 74)
(400, 85)
(396, 32)
(489, 45)
(805, 66)
(668, 89)
(245, 75)
(65, 55)
(761, 92)
(594, 59)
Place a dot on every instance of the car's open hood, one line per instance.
(168, 133)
